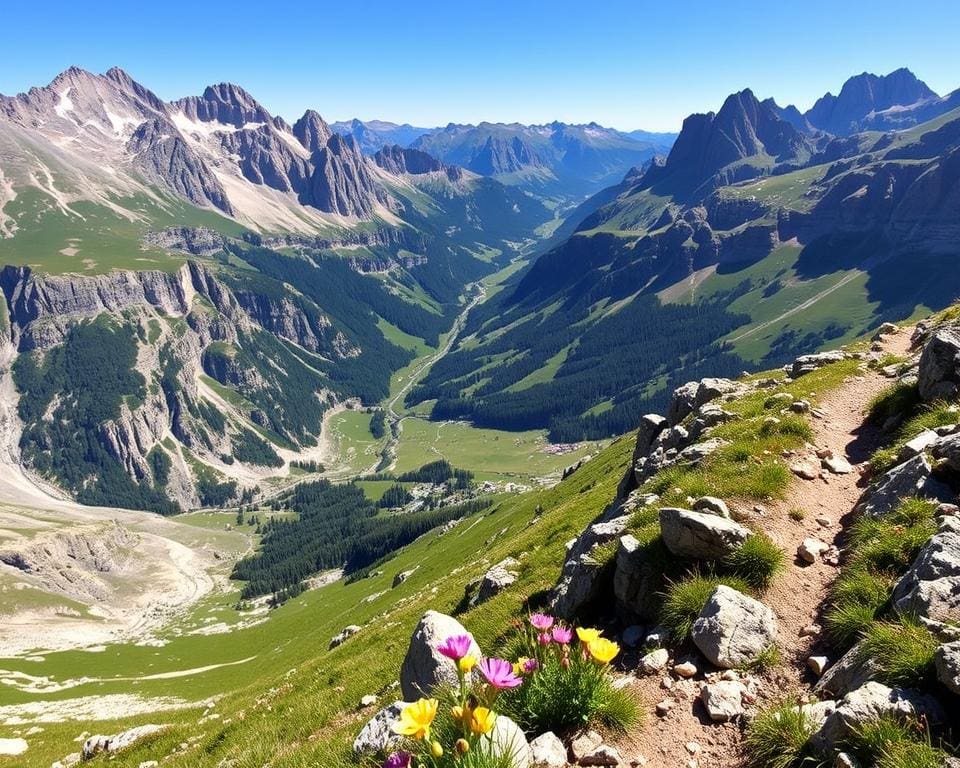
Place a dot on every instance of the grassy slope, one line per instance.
(295, 704)
(298, 700)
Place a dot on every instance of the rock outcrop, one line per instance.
(733, 630)
(700, 535)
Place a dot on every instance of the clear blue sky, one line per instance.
(626, 64)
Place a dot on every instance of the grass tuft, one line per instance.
(780, 738)
(902, 652)
(756, 561)
(685, 599)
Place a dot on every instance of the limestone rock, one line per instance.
(346, 633)
(805, 469)
(850, 672)
(836, 465)
(947, 661)
(911, 478)
(733, 630)
(870, 702)
(547, 751)
(810, 550)
(402, 577)
(580, 580)
(377, 735)
(602, 755)
(809, 363)
(495, 580)
(508, 739)
(424, 667)
(655, 661)
(711, 505)
(584, 743)
(703, 536)
(918, 444)
(939, 371)
(685, 669)
(723, 699)
(96, 745)
(633, 579)
(931, 586)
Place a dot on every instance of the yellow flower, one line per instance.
(416, 718)
(603, 650)
(519, 666)
(479, 720)
(482, 721)
(466, 664)
(587, 636)
(436, 750)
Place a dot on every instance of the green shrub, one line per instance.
(888, 742)
(567, 692)
(780, 738)
(902, 652)
(685, 599)
(857, 597)
(756, 561)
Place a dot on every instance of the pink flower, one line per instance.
(541, 621)
(499, 673)
(562, 635)
(398, 760)
(531, 665)
(456, 646)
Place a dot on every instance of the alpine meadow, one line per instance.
(480, 387)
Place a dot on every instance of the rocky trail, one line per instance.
(685, 736)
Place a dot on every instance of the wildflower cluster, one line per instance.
(569, 684)
(468, 741)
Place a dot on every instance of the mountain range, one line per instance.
(243, 275)
(760, 236)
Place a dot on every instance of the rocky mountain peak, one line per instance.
(312, 131)
(709, 143)
(225, 103)
(863, 95)
(399, 160)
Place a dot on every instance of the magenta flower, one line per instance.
(544, 638)
(531, 665)
(541, 621)
(562, 635)
(499, 673)
(455, 647)
(398, 760)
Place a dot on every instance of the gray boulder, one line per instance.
(547, 751)
(733, 630)
(424, 667)
(849, 673)
(95, 745)
(711, 505)
(377, 736)
(682, 402)
(723, 699)
(695, 534)
(870, 702)
(947, 661)
(946, 448)
(931, 586)
(494, 581)
(344, 634)
(633, 579)
(939, 372)
(911, 478)
(809, 363)
(581, 577)
(507, 739)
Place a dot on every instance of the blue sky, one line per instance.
(626, 64)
